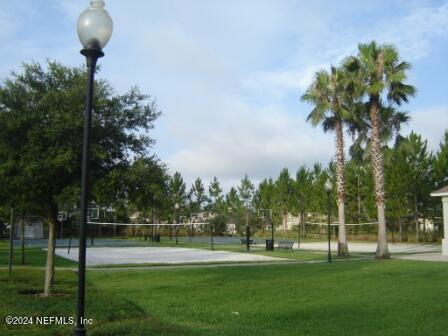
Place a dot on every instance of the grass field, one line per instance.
(34, 256)
(355, 297)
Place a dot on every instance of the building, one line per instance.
(34, 228)
(289, 222)
(443, 192)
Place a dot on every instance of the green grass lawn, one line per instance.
(354, 297)
(34, 256)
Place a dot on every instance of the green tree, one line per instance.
(303, 186)
(418, 163)
(284, 192)
(330, 95)
(41, 118)
(398, 185)
(177, 193)
(440, 164)
(264, 196)
(217, 206)
(232, 199)
(215, 193)
(198, 195)
(381, 76)
(146, 182)
(246, 192)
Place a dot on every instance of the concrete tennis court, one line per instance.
(159, 255)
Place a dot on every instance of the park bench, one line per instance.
(251, 241)
(285, 245)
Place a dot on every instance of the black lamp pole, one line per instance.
(329, 216)
(11, 241)
(92, 55)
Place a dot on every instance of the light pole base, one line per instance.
(79, 332)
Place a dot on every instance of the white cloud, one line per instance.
(279, 83)
(258, 142)
(225, 73)
(413, 33)
(431, 123)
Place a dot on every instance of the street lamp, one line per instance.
(269, 244)
(94, 31)
(176, 207)
(328, 188)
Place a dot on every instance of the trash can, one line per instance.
(269, 245)
(157, 237)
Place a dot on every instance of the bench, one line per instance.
(251, 241)
(285, 245)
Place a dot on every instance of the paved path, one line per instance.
(159, 255)
(370, 247)
(437, 256)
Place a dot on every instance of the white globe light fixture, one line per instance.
(95, 26)
(328, 186)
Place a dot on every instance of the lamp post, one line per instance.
(328, 188)
(11, 241)
(94, 31)
(270, 245)
(176, 207)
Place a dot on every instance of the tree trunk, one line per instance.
(382, 250)
(49, 269)
(22, 240)
(416, 217)
(358, 228)
(340, 186)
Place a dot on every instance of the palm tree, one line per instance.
(380, 75)
(330, 96)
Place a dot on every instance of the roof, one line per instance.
(441, 192)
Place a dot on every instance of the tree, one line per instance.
(146, 182)
(232, 199)
(380, 75)
(264, 196)
(216, 205)
(284, 190)
(41, 118)
(330, 95)
(418, 162)
(246, 193)
(197, 192)
(215, 193)
(177, 192)
(440, 164)
(398, 186)
(303, 186)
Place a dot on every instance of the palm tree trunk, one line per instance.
(340, 186)
(382, 250)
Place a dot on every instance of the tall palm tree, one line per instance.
(330, 96)
(380, 75)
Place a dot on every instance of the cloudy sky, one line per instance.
(228, 75)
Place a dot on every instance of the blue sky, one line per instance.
(228, 75)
